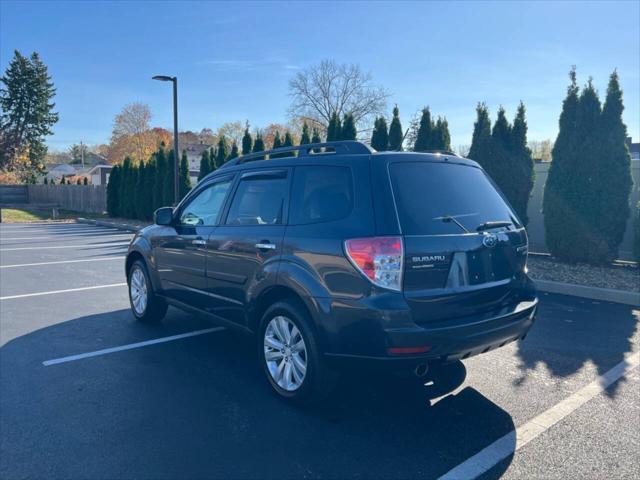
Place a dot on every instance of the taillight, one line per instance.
(379, 259)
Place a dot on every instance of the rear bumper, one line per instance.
(367, 340)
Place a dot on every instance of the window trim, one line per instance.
(197, 191)
(353, 192)
(257, 174)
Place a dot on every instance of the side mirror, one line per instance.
(163, 216)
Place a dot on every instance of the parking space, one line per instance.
(185, 399)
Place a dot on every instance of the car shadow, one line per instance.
(571, 332)
(201, 408)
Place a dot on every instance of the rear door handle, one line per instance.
(265, 245)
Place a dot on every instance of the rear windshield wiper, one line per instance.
(452, 218)
(490, 225)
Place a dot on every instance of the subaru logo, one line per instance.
(489, 240)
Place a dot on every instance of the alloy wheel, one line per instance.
(285, 353)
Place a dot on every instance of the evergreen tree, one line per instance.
(570, 200)
(85, 181)
(140, 192)
(168, 193)
(45, 182)
(258, 146)
(315, 138)
(78, 182)
(161, 174)
(113, 192)
(26, 114)
(521, 164)
(380, 135)
(247, 141)
(234, 151)
(440, 136)
(62, 181)
(425, 132)
(395, 132)
(334, 130)
(277, 143)
(305, 139)
(205, 165)
(348, 128)
(149, 189)
(611, 174)
(185, 180)
(212, 159)
(125, 189)
(480, 150)
(222, 153)
(497, 164)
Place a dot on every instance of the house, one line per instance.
(194, 154)
(100, 174)
(56, 172)
(634, 149)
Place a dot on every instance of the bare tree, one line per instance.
(327, 88)
(541, 149)
(133, 123)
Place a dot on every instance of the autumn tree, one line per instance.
(232, 131)
(131, 133)
(26, 115)
(328, 87)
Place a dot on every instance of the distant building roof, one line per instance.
(98, 167)
(195, 149)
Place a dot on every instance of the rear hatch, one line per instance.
(465, 249)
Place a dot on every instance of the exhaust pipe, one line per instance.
(421, 370)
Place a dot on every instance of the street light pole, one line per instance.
(176, 166)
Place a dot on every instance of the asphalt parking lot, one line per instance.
(86, 392)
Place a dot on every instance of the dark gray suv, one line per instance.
(334, 254)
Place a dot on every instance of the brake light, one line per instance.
(380, 259)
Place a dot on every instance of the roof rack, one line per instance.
(442, 152)
(308, 150)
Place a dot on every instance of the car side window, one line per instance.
(205, 207)
(258, 201)
(321, 194)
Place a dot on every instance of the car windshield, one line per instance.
(445, 198)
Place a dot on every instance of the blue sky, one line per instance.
(234, 60)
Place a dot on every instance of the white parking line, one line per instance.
(53, 292)
(505, 446)
(57, 262)
(130, 346)
(65, 236)
(124, 244)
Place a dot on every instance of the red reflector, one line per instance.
(408, 350)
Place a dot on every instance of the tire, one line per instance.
(318, 380)
(146, 306)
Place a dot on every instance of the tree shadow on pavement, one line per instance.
(200, 408)
(569, 332)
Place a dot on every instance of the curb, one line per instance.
(102, 223)
(594, 293)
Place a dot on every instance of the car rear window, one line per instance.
(321, 194)
(425, 192)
